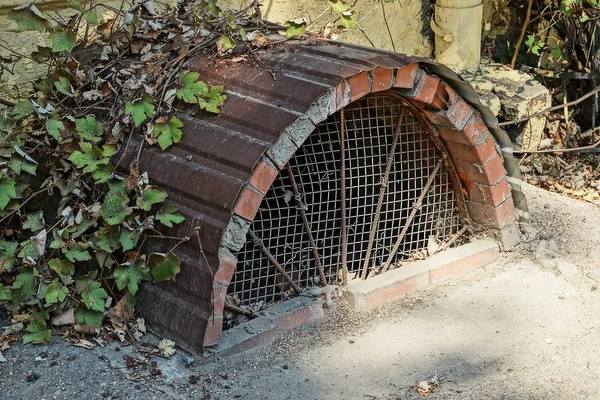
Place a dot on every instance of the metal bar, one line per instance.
(239, 310)
(451, 240)
(302, 210)
(275, 263)
(410, 218)
(382, 191)
(344, 233)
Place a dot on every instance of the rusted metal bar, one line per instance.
(453, 238)
(382, 191)
(239, 310)
(410, 218)
(302, 210)
(344, 233)
(258, 242)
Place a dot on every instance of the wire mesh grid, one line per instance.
(369, 130)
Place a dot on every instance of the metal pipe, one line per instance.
(416, 208)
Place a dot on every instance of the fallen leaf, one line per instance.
(66, 318)
(86, 344)
(166, 348)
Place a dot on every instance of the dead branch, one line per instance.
(522, 35)
(553, 108)
(568, 150)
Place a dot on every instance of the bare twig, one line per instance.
(7, 103)
(550, 109)
(387, 25)
(522, 35)
(239, 310)
(568, 150)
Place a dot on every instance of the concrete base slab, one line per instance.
(262, 330)
(368, 294)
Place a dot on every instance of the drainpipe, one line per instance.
(457, 28)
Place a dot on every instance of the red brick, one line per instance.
(226, 269)
(492, 195)
(476, 131)
(405, 77)
(494, 217)
(302, 316)
(382, 79)
(508, 236)
(263, 176)
(417, 104)
(214, 329)
(219, 297)
(439, 120)
(340, 97)
(459, 113)
(427, 89)
(360, 85)
(477, 154)
(247, 203)
(488, 174)
(441, 98)
(464, 265)
(395, 291)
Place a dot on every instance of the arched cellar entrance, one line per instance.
(399, 191)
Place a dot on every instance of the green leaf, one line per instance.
(25, 281)
(63, 85)
(168, 216)
(7, 191)
(103, 173)
(149, 197)
(530, 40)
(5, 293)
(77, 252)
(7, 254)
(38, 332)
(34, 221)
(62, 40)
(89, 129)
(348, 19)
(339, 6)
(55, 293)
(106, 238)
(92, 18)
(295, 28)
(94, 296)
(212, 100)
(54, 126)
(225, 42)
(29, 18)
(28, 249)
(22, 109)
(140, 110)
(114, 210)
(88, 317)
(19, 164)
(91, 158)
(75, 4)
(63, 268)
(164, 267)
(128, 239)
(191, 88)
(168, 134)
(131, 276)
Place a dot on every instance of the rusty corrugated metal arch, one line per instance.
(224, 165)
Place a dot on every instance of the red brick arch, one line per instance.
(465, 136)
(224, 165)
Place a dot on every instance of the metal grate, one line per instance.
(370, 124)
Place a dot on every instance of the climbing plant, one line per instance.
(75, 209)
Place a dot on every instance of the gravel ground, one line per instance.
(525, 327)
